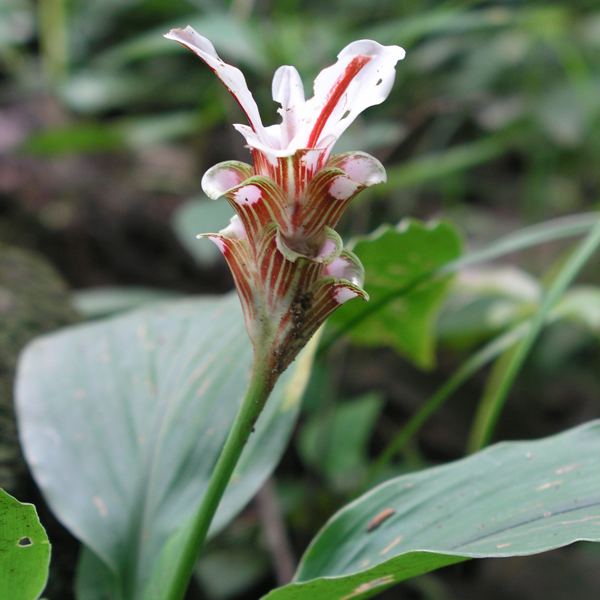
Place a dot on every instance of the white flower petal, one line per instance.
(362, 77)
(266, 143)
(343, 293)
(289, 92)
(235, 229)
(287, 88)
(231, 76)
(343, 188)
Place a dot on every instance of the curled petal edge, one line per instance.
(360, 167)
(340, 290)
(327, 294)
(346, 267)
(234, 231)
(344, 291)
(329, 194)
(221, 178)
(330, 249)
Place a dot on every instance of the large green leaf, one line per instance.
(122, 422)
(24, 550)
(405, 295)
(107, 301)
(511, 499)
(201, 215)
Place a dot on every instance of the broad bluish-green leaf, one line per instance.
(405, 296)
(24, 550)
(122, 421)
(105, 301)
(201, 216)
(512, 499)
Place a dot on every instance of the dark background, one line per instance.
(106, 129)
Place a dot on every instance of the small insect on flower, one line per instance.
(289, 265)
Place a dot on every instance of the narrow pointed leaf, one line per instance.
(122, 422)
(512, 499)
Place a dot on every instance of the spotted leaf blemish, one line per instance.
(365, 587)
(380, 518)
(391, 545)
(24, 542)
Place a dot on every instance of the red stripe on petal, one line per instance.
(262, 166)
(284, 168)
(238, 255)
(335, 94)
(320, 207)
(298, 163)
(258, 202)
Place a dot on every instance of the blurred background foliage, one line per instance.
(492, 125)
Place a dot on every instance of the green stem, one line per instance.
(511, 362)
(475, 362)
(259, 389)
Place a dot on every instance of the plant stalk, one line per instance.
(260, 386)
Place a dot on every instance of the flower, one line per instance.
(288, 263)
